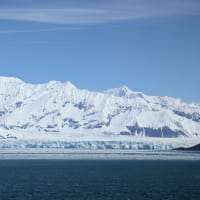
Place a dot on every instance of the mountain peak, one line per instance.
(54, 84)
(122, 91)
(125, 89)
(125, 92)
(10, 79)
(69, 84)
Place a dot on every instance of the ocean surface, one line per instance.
(39, 179)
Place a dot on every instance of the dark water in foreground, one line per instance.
(99, 179)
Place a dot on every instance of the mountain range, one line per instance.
(56, 107)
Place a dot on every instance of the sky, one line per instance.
(152, 46)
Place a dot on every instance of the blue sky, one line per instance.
(151, 46)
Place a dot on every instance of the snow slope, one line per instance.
(61, 109)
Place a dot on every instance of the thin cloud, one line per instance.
(40, 30)
(56, 16)
(102, 12)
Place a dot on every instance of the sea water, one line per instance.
(99, 179)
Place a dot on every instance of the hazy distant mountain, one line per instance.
(61, 107)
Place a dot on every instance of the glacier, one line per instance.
(60, 115)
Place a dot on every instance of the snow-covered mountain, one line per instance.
(55, 108)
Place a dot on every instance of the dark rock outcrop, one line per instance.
(193, 148)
